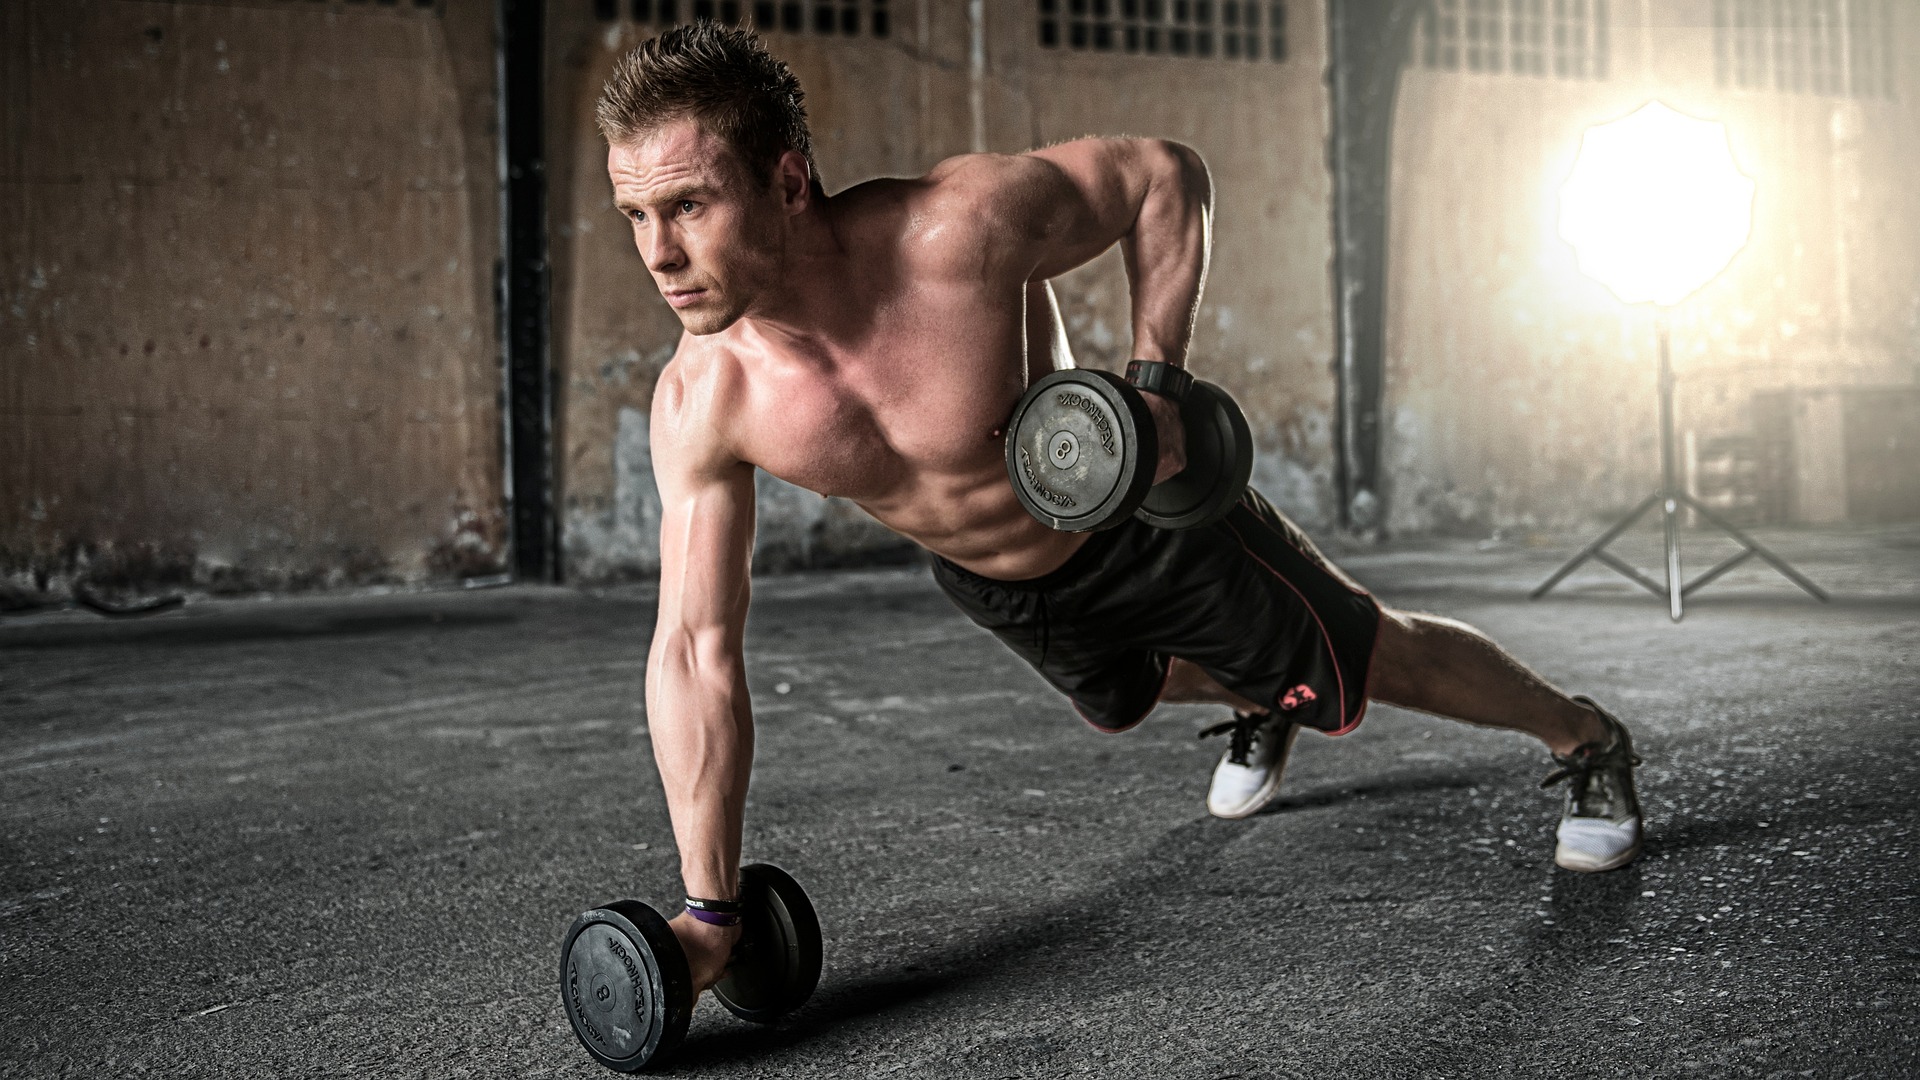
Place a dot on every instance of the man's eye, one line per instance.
(687, 206)
(637, 215)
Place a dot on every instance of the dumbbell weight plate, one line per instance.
(1219, 463)
(625, 984)
(1081, 449)
(777, 963)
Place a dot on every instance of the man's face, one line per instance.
(710, 234)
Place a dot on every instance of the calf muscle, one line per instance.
(1445, 667)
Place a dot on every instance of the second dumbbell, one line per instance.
(625, 984)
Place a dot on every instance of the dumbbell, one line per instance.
(625, 983)
(1082, 449)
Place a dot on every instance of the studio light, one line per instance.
(1655, 208)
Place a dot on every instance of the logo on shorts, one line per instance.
(1296, 697)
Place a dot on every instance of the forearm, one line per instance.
(1167, 250)
(702, 728)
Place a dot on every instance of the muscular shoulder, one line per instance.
(697, 393)
(1044, 212)
(1010, 196)
(966, 213)
(1000, 182)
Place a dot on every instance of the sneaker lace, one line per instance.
(1243, 729)
(1590, 763)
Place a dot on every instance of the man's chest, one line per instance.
(923, 391)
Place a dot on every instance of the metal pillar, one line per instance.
(527, 375)
(1367, 47)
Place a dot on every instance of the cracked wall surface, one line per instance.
(247, 322)
(246, 299)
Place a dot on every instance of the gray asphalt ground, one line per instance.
(343, 836)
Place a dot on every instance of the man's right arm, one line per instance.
(697, 706)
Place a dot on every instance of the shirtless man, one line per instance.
(870, 345)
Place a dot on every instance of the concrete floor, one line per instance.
(343, 836)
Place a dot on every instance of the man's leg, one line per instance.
(1187, 684)
(1442, 667)
(1450, 669)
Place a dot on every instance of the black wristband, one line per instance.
(1160, 378)
(713, 907)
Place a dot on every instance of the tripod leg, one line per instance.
(1588, 551)
(1670, 509)
(1703, 580)
(1755, 546)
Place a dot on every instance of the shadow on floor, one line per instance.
(1384, 787)
(225, 629)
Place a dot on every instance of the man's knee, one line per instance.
(1403, 654)
(1399, 636)
(1387, 672)
(1188, 683)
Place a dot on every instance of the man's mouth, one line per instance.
(680, 298)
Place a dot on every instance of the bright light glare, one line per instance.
(1655, 205)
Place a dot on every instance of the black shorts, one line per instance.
(1248, 599)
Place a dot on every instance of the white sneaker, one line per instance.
(1248, 776)
(1600, 828)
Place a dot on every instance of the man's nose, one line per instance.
(662, 251)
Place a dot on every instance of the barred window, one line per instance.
(1566, 39)
(1226, 29)
(1527, 37)
(424, 6)
(838, 18)
(1841, 48)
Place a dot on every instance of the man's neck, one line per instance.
(811, 307)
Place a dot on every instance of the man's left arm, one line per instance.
(1154, 198)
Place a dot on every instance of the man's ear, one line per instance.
(794, 179)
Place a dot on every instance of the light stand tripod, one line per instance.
(1670, 498)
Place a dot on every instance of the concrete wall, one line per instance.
(938, 85)
(247, 325)
(1521, 393)
(247, 336)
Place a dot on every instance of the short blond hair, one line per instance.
(718, 75)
